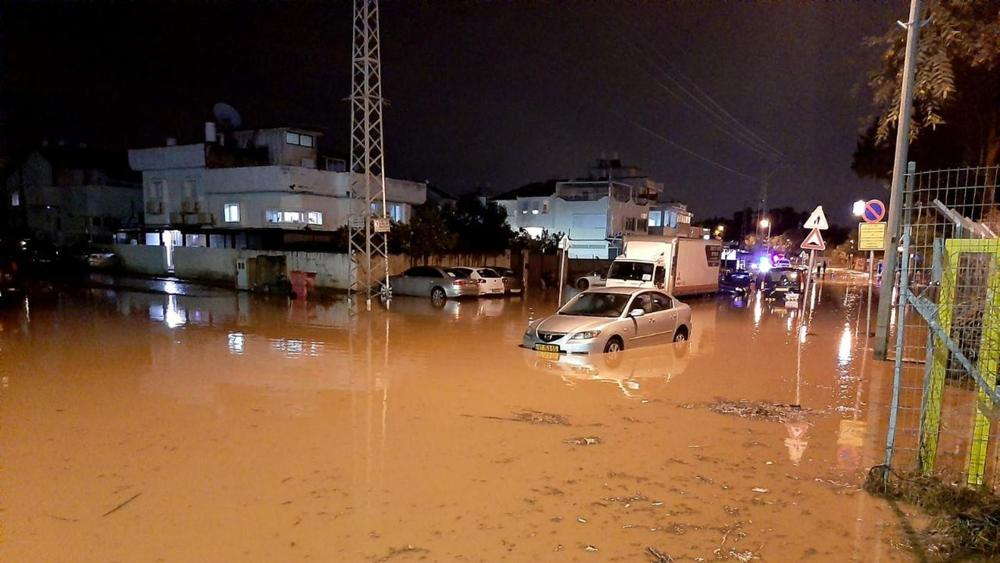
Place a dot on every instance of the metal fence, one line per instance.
(945, 419)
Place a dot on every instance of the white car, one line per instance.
(490, 282)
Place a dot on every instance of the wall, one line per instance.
(209, 264)
(219, 264)
(141, 259)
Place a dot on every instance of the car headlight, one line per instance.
(586, 335)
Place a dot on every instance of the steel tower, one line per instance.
(368, 223)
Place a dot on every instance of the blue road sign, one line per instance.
(874, 211)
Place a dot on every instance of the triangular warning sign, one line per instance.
(817, 220)
(814, 241)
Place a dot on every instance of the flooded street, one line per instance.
(216, 426)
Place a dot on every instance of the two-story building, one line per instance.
(65, 195)
(253, 188)
(595, 212)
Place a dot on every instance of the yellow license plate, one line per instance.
(547, 348)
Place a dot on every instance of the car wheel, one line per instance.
(613, 345)
(438, 294)
(681, 335)
(582, 284)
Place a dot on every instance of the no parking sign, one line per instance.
(874, 211)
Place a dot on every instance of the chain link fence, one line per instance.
(946, 314)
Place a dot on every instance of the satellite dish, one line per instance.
(226, 115)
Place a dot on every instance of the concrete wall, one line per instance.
(141, 259)
(219, 264)
(209, 264)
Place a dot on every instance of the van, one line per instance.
(677, 265)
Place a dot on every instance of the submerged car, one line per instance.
(434, 282)
(490, 282)
(610, 319)
(597, 278)
(511, 281)
(780, 283)
(737, 282)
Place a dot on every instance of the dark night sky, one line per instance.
(482, 94)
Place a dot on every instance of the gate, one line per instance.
(944, 417)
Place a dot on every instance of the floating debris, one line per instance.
(590, 548)
(397, 551)
(581, 519)
(759, 490)
(584, 441)
(759, 410)
(657, 556)
(529, 416)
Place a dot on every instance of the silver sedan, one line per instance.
(610, 319)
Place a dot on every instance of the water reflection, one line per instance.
(635, 372)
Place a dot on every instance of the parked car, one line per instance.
(432, 281)
(511, 281)
(102, 260)
(490, 282)
(610, 319)
(779, 282)
(737, 282)
(597, 278)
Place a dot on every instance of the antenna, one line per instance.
(226, 115)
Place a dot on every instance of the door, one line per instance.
(664, 315)
(170, 240)
(645, 326)
(242, 275)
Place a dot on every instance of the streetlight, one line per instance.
(858, 209)
(765, 223)
(719, 230)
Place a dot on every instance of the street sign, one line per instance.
(871, 236)
(874, 211)
(817, 220)
(814, 241)
(381, 224)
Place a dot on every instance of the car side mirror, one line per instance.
(637, 312)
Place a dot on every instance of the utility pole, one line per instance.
(368, 222)
(881, 343)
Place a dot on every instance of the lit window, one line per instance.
(300, 139)
(534, 212)
(291, 216)
(306, 140)
(231, 212)
(292, 138)
(273, 216)
(15, 199)
(545, 207)
(314, 218)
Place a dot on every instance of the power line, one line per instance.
(711, 107)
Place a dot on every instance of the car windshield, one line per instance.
(460, 273)
(488, 273)
(594, 304)
(637, 271)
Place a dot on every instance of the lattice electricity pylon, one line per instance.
(368, 220)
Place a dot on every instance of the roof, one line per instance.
(620, 290)
(534, 189)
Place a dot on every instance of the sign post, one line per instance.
(563, 249)
(871, 237)
(814, 241)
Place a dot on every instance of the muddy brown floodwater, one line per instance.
(218, 427)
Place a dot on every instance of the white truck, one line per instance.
(677, 265)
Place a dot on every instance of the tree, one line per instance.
(481, 227)
(956, 95)
(426, 234)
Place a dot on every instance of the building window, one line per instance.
(231, 212)
(291, 216)
(314, 218)
(15, 199)
(156, 189)
(545, 207)
(273, 216)
(300, 139)
(397, 212)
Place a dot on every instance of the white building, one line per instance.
(254, 179)
(71, 194)
(596, 213)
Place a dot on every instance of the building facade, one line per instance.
(596, 212)
(71, 195)
(254, 179)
